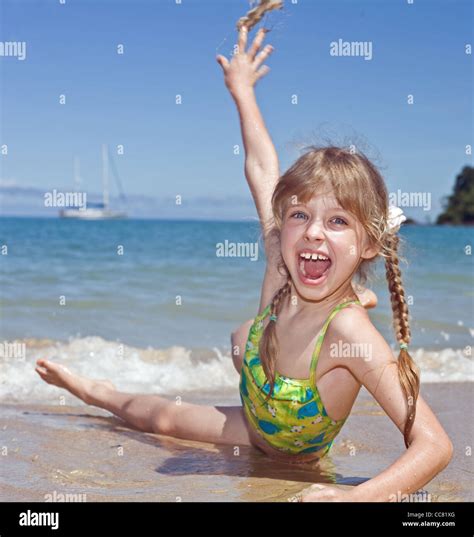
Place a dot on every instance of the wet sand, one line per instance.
(92, 456)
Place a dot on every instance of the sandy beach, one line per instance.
(86, 453)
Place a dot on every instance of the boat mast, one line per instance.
(105, 176)
(77, 176)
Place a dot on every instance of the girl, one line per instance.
(330, 220)
(325, 220)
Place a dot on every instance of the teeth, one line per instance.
(314, 257)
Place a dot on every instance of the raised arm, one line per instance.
(261, 160)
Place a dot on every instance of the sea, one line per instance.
(151, 304)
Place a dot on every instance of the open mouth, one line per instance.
(313, 266)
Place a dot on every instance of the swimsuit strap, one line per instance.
(264, 313)
(319, 342)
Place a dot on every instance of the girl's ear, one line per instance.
(370, 251)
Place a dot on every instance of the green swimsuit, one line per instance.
(294, 419)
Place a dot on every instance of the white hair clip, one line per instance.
(395, 218)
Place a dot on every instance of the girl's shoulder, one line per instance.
(357, 338)
(351, 316)
(352, 323)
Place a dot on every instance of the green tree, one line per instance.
(459, 207)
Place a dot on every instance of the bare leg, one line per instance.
(153, 413)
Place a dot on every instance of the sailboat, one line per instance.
(97, 210)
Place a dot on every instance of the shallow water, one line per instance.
(90, 454)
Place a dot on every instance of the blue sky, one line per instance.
(188, 149)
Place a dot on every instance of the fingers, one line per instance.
(257, 43)
(242, 43)
(223, 62)
(262, 56)
(41, 366)
(262, 72)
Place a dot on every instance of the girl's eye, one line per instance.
(297, 213)
(337, 219)
(340, 220)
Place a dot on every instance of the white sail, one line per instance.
(94, 211)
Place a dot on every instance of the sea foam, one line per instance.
(173, 371)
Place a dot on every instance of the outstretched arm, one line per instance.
(261, 160)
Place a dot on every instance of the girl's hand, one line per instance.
(367, 298)
(242, 73)
(325, 493)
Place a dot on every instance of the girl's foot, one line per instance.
(86, 389)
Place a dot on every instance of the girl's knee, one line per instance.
(163, 417)
(238, 340)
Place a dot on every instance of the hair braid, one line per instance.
(408, 371)
(268, 345)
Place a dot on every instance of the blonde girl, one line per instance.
(332, 206)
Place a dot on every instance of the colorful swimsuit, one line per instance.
(294, 419)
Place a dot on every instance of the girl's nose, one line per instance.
(314, 231)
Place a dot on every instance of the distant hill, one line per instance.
(459, 207)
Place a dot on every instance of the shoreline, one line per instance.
(54, 450)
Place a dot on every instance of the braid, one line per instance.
(268, 346)
(278, 298)
(256, 14)
(397, 294)
(408, 372)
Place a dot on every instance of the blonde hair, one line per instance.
(256, 14)
(360, 189)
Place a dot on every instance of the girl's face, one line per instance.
(331, 237)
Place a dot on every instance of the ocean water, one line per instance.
(150, 304)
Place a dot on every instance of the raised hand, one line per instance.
(243, 71)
